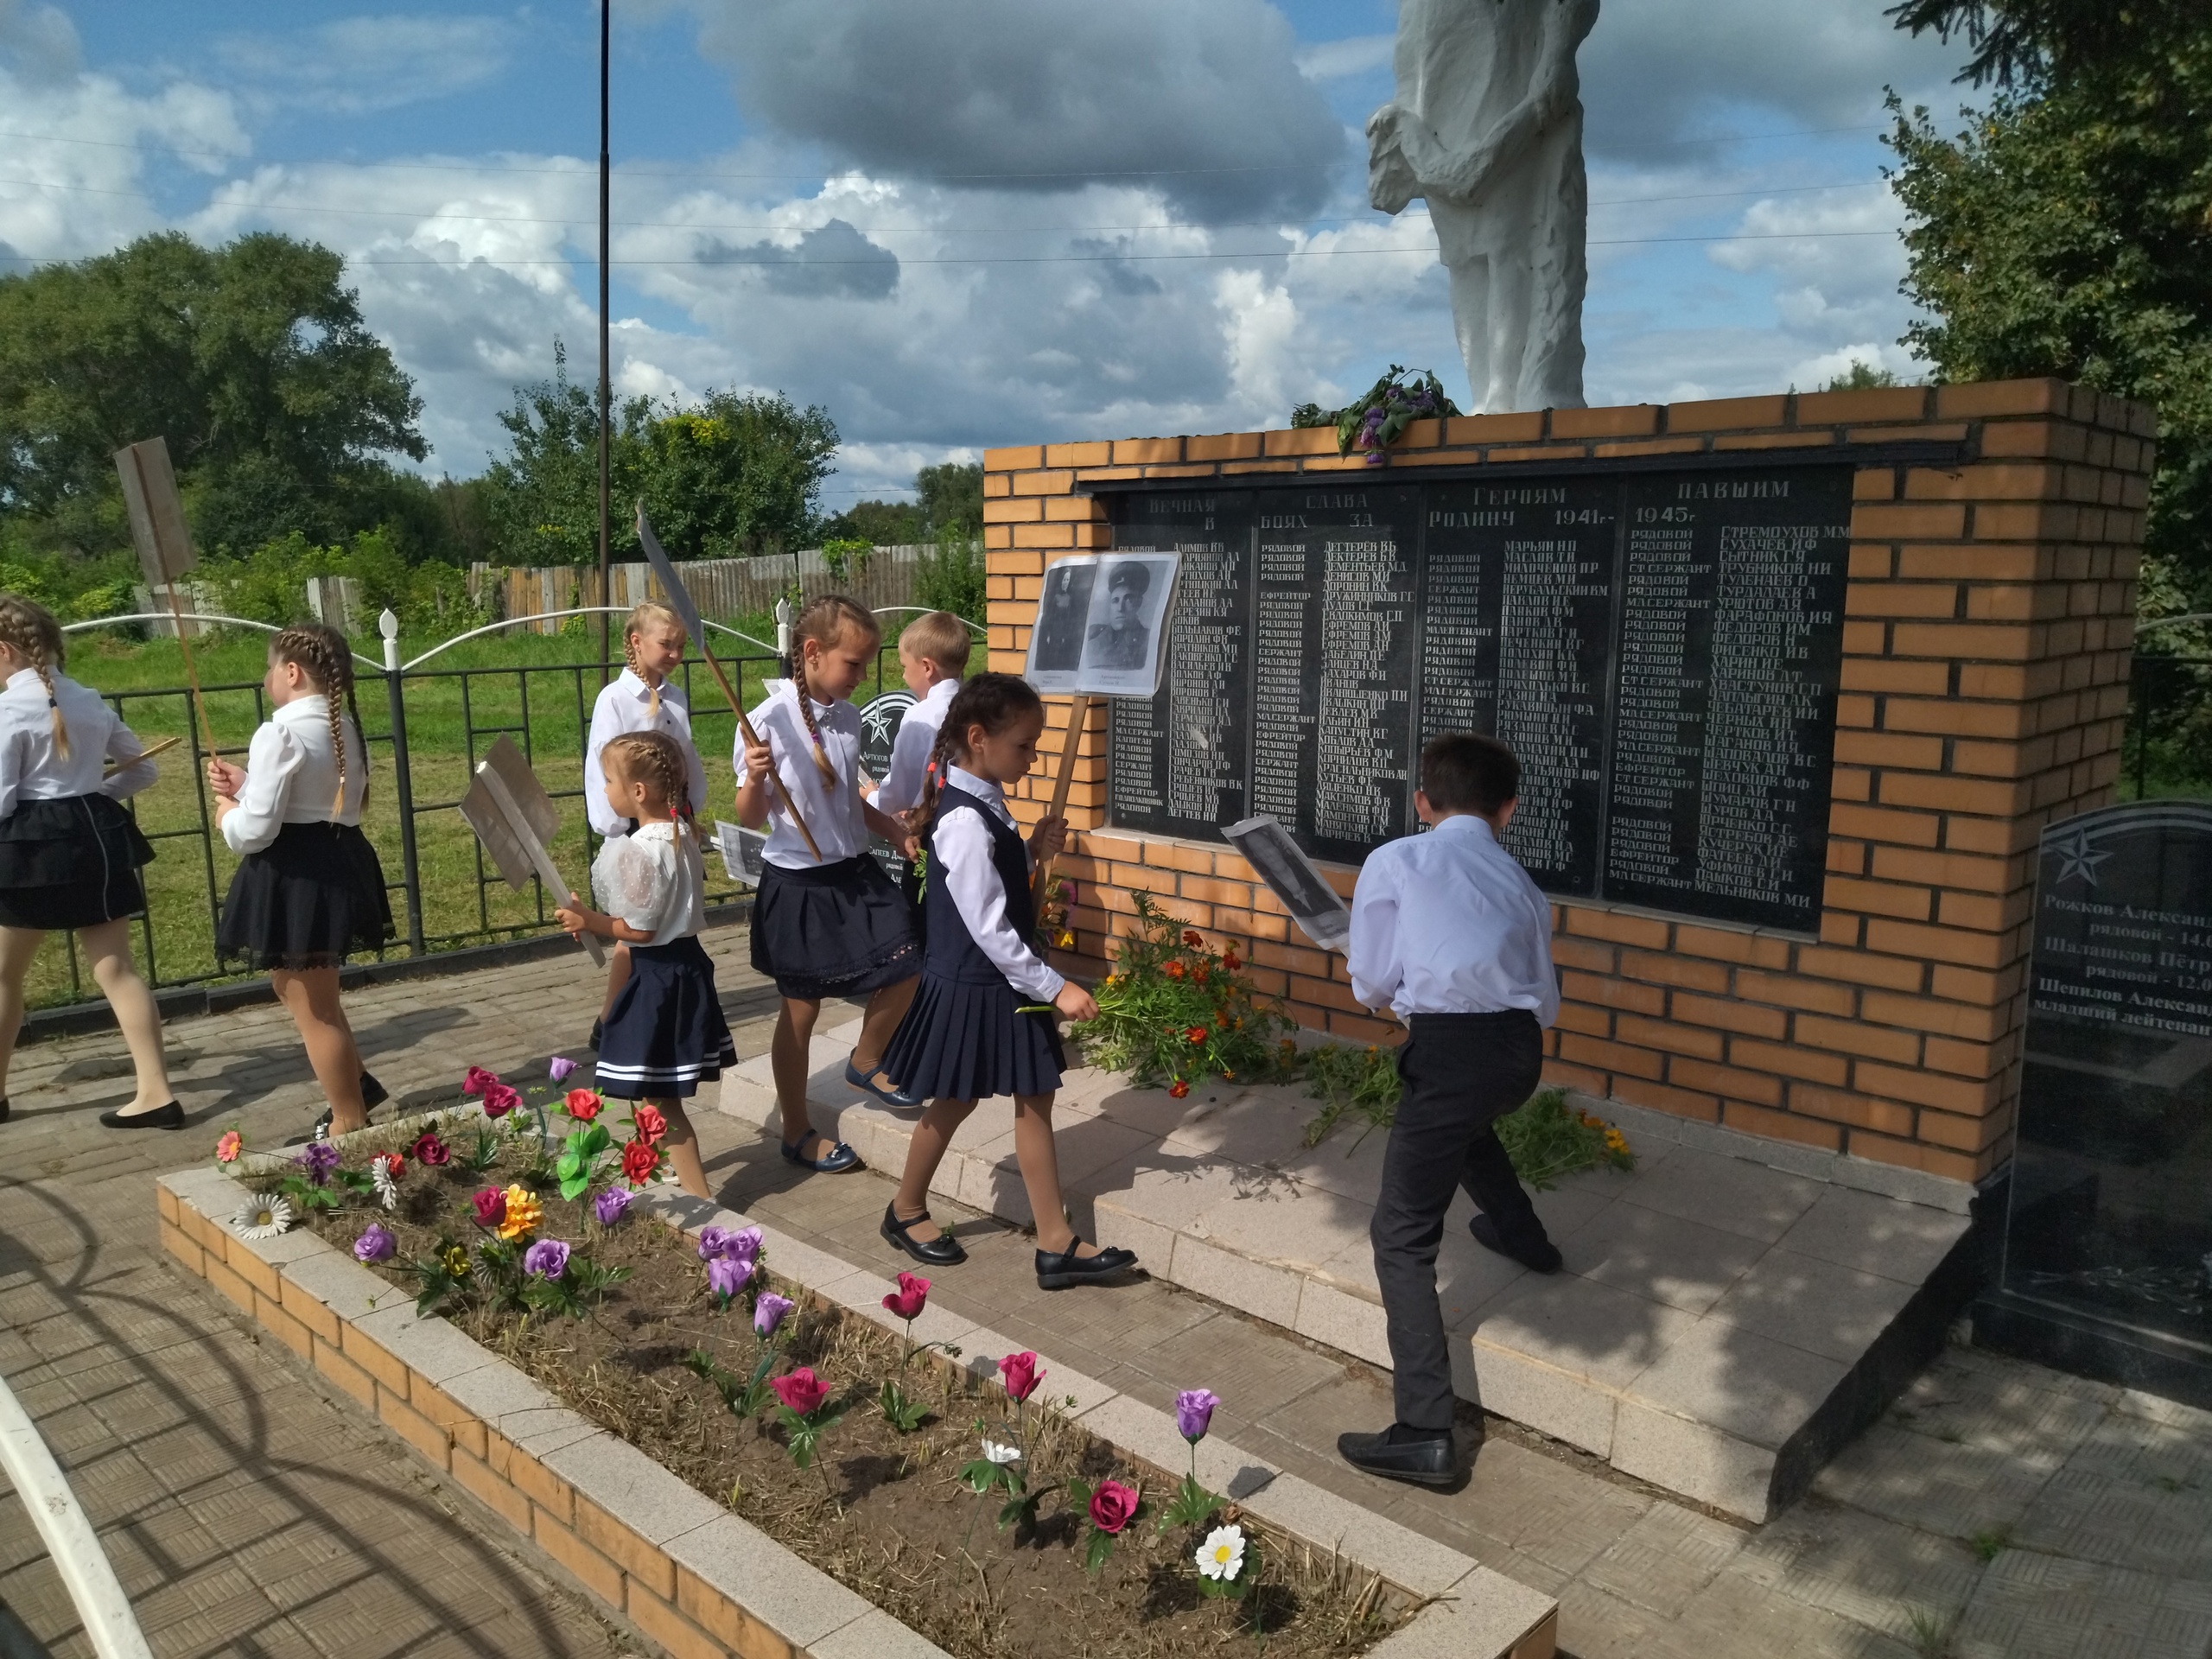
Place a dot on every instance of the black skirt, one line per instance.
(310, 898)
(666, 1034)
(961, 1040)
(70, 863)
(833, 930)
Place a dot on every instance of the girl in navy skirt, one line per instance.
(979, 1026)
(665, 1035)
(835, 925)
(308, 891)
(69, 854)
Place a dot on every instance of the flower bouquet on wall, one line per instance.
(1372, 423)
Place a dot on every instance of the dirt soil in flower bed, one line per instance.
(892, 1521)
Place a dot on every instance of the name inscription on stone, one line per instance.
(1661, 649)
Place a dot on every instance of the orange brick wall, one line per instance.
(1989, 620)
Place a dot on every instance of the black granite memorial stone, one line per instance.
(2107, 1263)
(1660, 649)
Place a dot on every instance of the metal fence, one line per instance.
(425, 734)
(2169, 747)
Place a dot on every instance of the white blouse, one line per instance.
(291, 775)
(832, 813)
(625, 705)
(909, 750)
(655, 880)
(961, 844)
(30, 770)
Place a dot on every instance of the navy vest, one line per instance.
(951, 952)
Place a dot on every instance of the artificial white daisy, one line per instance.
(262, 1216)
(1222, 1555)
(384, 1170)
(994, 1452)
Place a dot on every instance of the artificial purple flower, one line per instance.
(609, 1205)
(768, 1311)
(560, 1068)
(548, 1258)
(1194, 1413)
(375, 1244)
(725, 1277)
(319, 1158)
(712, 1240)
(743, 1245)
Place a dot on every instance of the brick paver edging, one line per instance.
(672, 1564)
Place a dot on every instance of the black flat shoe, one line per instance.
(598, 1030)
(170, 1116)
(1542, 1256)
(374, 1094)
(942, 1251)
(1400, 1453)
(1060, 1269)
(4, 1109)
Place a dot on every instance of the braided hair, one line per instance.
(29, 628)
(655, 759)
(824, 621)
(993, 701)
(321, 652)
(647, 614)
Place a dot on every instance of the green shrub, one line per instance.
(1174, 1010)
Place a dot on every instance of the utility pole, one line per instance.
(606, 568)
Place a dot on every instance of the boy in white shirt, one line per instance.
(932, 655)
(1452, 935)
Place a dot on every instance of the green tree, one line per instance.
(2066, 229)
(1861, 376)
(278, 403)
(879, 524)
(951, 496)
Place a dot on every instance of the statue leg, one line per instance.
(1512, 297)
(1470, 319)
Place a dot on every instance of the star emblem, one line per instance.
(2076, 858)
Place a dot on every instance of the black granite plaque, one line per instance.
(1516, 635)
(2108, 1254)
(1732, 601)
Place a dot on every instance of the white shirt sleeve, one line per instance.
(961, 858)
(901, 789)
(14, 743)
(605, 725)
(1371, 956)
(134, 774)
(630, 882)
(271, 762)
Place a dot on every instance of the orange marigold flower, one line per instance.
(1178, 1089)
(1197, 1034)
(1193, 938)
(1173, 971)
(1230, 960)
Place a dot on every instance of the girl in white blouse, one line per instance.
(308, 891)
(835, 925)
(69, 854)
(666, 1034)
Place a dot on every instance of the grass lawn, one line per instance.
(537, 689)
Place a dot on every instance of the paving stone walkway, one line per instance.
(2000, 1509)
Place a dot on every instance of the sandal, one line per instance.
(839, 1159)
(894, 1096)
(1060, 1269)
(942, 1251)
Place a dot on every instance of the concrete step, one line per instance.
(1729, 1314)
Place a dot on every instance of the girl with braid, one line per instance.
(69, 854)
(835, 927)
(982, 1022)
(641, 699)
(665, 1035)
(308, 891)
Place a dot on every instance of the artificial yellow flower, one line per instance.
(457, 1261)
(524, 1213)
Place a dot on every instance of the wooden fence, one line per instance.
(721, 588)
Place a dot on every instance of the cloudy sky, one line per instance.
(957, 223)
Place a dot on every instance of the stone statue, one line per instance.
(1487, 125)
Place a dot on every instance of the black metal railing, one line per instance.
(2168, 749)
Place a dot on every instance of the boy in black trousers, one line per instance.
(1450, 933)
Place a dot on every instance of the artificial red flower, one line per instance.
(1172, 969)
(478, 1080)
(499, 1099)
(1196, 1033)
(639, 1160)
(1022, 1375)
(1177, 1089)
(582, 1104)
(1113, 1506)
(801, 1392)
(490, 1207)
(649, 1124)
(908, 1301)
(428, 1150)
(1193, 938)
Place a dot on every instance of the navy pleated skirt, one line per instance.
(833, 930)
(965, 1041)
(667, 1035)
(310, 898)
(70, 863)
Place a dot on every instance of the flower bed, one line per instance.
(966, 1505)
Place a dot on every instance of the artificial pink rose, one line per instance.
(428, 1150)
(908, 1301)
(490, 1207)
(1022, 1375)
(478, 1080)
(802, 1391)
(1113, 1506)
(499, 1099)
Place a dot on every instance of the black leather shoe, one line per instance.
(598, 1030)
(1542, 1256)
(1400, 1453)
(4, 1109)
(374, 1094)
(1061, 1269)
(942, 1251)
(170, 1116)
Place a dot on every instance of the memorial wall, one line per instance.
(1789, 752)
(1661, 649)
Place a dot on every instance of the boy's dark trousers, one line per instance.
(1462, 1072)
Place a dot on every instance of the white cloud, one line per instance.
(354, 66)
(1356, 54)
